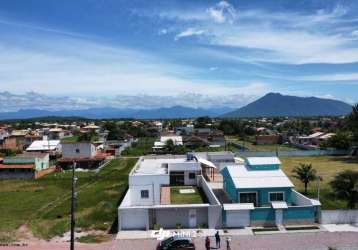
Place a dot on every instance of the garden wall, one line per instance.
(340, 216)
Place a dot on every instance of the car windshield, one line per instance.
(167, 241)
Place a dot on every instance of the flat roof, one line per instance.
(263, 161)
(157, 166)
(279, 205)
(206, 163)
(243, 177)
(238, 206)
(43, 145)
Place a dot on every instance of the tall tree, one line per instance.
(353, 123)
(305, 173)
(169, 145)
(345, 185)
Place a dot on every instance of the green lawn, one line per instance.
(142, 147)
(267, 147)
(192, 198)
(44, 204)
(327, 167)
(70, 139)
(252, 147)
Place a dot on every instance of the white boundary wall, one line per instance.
(339, 216)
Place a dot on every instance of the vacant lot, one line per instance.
(249, 145)
(142, 147)
(327, 167)
(44, 204)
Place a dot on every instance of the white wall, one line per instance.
(300, 199)
(152, 183)
(184, 166)
(85, 150)
(188, 181)
(339, 216)
(133, 219)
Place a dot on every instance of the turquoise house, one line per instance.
(262, 194)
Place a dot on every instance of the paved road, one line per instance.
(297, 241)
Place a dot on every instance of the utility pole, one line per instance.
(73, 206)
(318, 186)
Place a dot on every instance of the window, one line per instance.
(191, 175)
(248, 198)
(77, 150)
(144, 194)
(277, 196)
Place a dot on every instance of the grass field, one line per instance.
(192, 198)
(44, 204)
(327, 167)
(142, 147)
(70, 139)
(252, 147)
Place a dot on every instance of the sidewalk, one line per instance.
(194, 233)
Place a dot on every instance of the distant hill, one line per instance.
(110, 112)
(275, 104)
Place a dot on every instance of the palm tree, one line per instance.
(345, 184)
(305, 173)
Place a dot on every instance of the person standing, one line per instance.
(228, 243)
(217, 239)
(207, 243)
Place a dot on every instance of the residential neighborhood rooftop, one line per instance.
(244, 177)
(43, 145)
(263, 161)
(157, 166)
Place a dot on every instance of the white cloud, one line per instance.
(280, 37)
(13, 102)
(222, 12)
(331, 77)
(189, 32)
(163, 32)
(78, 67)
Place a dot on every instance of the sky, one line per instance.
(160, 53)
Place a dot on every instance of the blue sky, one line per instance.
(227, 50)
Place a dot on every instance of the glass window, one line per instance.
(191, 175)
(277, 196)
(77, 150)
(144, 194)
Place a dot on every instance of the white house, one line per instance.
(52, 146)
(177, 140)
(148, 199)
(83, 153)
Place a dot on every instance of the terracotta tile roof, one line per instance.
(98, 157)
(17, 166)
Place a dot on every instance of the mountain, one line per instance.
(110, 112)
(275, 104)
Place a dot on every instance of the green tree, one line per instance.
(353, 122)
(341, 140)
(169, 145)
(305, 173)
(345, 185)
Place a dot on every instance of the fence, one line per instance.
(296, 153)
(339, 216)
